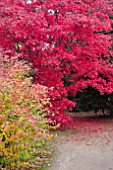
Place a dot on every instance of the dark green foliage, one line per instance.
(91, 99)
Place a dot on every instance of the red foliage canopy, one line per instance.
(62, 38)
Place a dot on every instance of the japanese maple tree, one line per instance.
(64, 40)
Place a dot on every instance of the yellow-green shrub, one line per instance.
(23, 127)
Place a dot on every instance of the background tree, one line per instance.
(62, 40)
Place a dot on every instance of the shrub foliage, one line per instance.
(23, 126)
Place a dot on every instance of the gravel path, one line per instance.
(88, 146)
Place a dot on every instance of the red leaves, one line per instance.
(60, 39)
